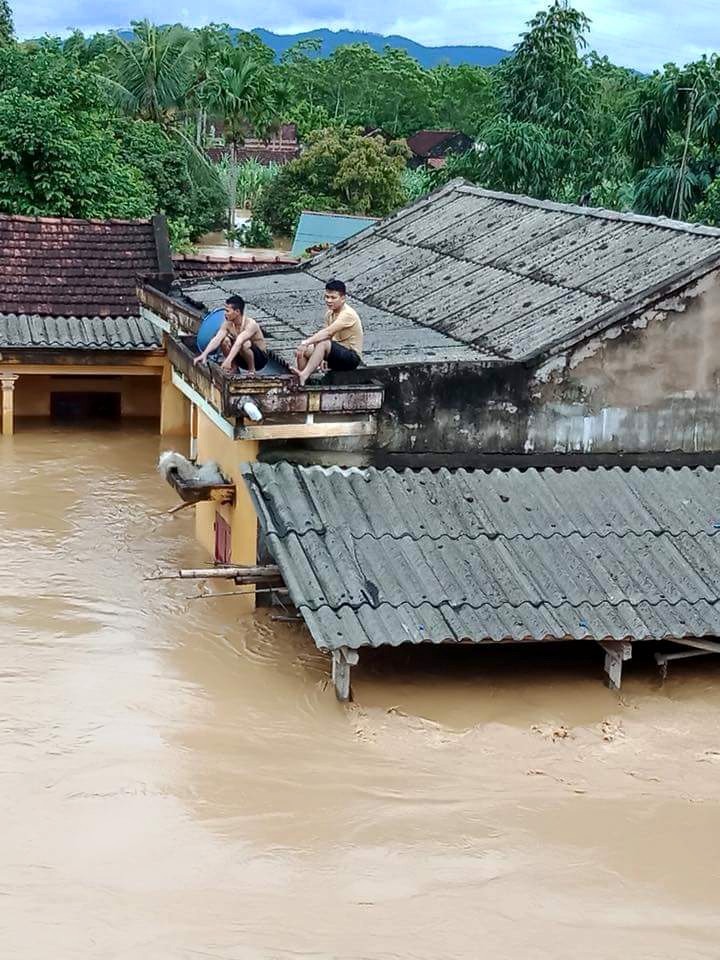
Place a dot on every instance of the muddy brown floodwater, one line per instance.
(178, 782)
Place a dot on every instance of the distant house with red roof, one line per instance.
(431, 148)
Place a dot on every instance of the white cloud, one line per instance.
(644, 35)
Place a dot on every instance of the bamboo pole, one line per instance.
(241, 575)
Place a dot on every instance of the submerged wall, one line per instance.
(139, 394)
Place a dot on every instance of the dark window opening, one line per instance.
(71, 407)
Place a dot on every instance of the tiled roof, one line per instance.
(187, 265)
(77, 333)
(422, 142)
(471, 275)
(71, 268)
(383, 557)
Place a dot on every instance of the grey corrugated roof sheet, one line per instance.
(77, 333)
(473, 275)
(374, 557)
(289, 306)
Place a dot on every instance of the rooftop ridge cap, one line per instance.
(23, 218)
(682, 226)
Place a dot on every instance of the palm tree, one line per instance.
(239, 91)
(150, 75)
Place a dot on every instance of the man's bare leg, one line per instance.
(318, 355)
(249, 359)
(301, 358)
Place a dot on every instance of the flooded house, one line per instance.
(501, 333)
(72, 343)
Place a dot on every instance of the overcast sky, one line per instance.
(652, 33)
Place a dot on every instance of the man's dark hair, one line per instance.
(336, 286)
(237, 302)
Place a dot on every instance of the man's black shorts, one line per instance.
(341, 358)
(261, 358)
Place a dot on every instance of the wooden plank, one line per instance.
(616, 651)
(299, 431)
(341, 676)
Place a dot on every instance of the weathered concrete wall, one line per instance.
(451, 408)
(649, 385)
(647, 388)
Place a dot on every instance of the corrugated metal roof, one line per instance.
(289, 306)
(513, 275)
(317, 228)
(384, 557)
(494, 278)
(77, 333)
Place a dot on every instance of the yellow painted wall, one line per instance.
(213, 444)
(140, 395)
(174, 407)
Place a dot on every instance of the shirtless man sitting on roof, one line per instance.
(240, 339)
(338, 344)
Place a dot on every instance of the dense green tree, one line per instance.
(465, 98)
(166, 167)
(7, 29)
(56, 154)
(341, 170)
(553, 120)
(64, 152)
(239, 91)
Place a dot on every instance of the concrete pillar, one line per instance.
(7, 381)
(174, 407)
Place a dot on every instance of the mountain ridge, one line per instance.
(474, 55)
(477, 56)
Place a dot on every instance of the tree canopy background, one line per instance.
(106, 126)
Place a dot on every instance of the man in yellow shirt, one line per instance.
(338, 344)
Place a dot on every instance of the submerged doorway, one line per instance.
(81, 405)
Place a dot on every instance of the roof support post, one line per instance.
(616, 652)
(342, 660)
(7, 382)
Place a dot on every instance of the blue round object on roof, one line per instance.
(209, 327)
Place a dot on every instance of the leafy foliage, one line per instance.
(250, 178)
(417, 183)
(341, 170)
(56, 157)
(180, 233)
(7, 30)
(105, 126)
(254, 234)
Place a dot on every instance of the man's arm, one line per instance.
(213, 345)
(326, 333)
(247, 334)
